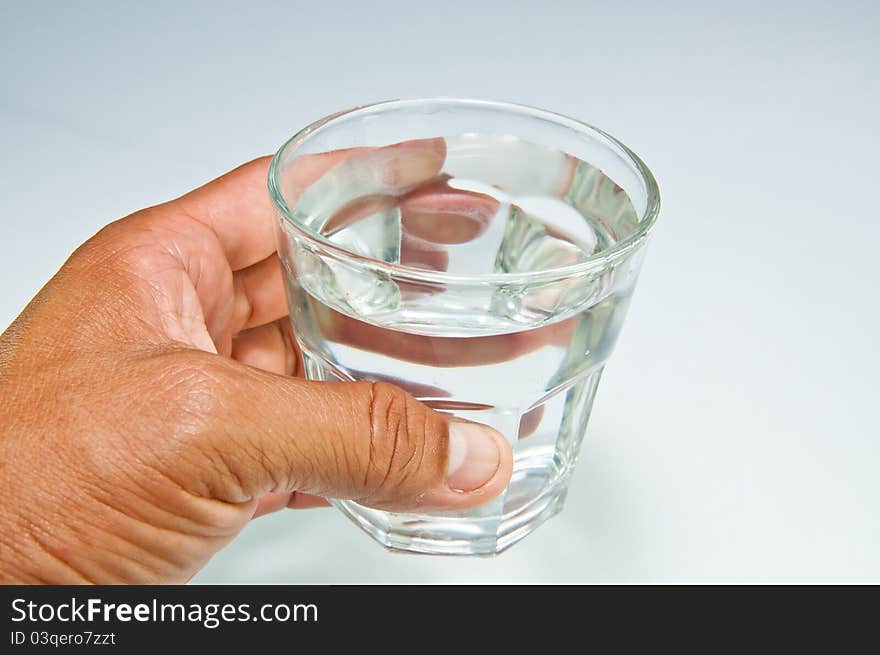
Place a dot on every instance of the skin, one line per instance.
(151, 395)
(150, 405)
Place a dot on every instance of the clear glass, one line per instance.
(481, 255)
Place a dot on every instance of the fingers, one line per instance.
(439, 213)
(530, 421)
(272, 502)
(441, 351)
(421, 253)
(356, 210)
(269, 347)
(259, 296)
(237, 208)
(350, 175)
(369, 442)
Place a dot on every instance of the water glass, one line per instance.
(480, 255)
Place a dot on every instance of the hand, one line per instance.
(148, 408)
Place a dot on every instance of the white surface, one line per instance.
(735, 435)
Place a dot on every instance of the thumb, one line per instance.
(369, 442)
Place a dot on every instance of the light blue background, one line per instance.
(735, 435)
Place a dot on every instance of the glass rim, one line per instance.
(600, 260)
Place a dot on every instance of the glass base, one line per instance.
(504, 521)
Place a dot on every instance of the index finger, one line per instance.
(238, 208)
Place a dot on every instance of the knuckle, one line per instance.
(398, 442)
(111, 245)
(194, 381)
(196, 390)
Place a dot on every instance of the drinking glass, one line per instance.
(480, 255)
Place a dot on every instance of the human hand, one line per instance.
(149, 409)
